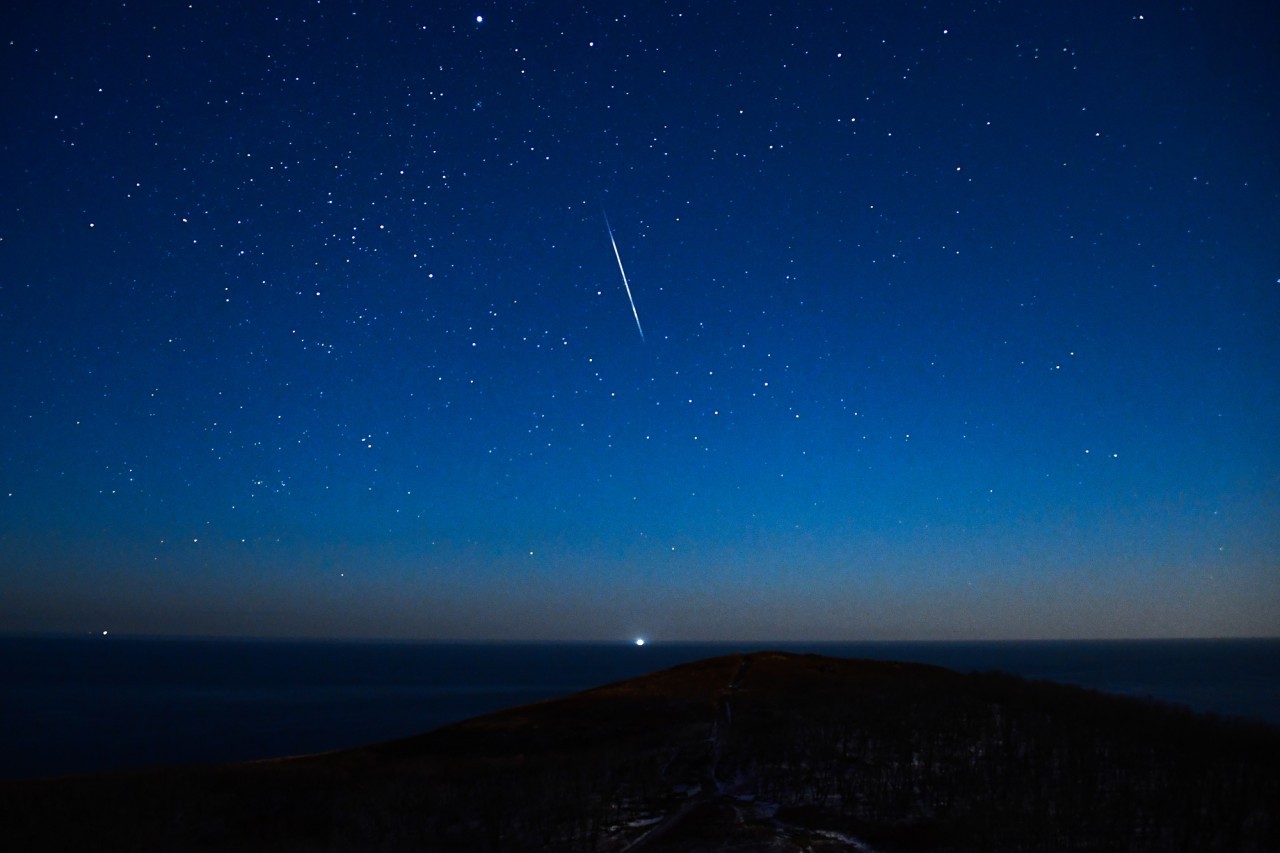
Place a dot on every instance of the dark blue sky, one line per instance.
(958, 322)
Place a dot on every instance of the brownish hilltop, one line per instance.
(765, 751)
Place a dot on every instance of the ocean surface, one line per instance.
(86, 704)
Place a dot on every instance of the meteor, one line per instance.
(624, 276)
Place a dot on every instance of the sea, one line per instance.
(87, 704)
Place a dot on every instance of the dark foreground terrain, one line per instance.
(745, 752)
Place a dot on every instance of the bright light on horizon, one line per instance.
(639, 641)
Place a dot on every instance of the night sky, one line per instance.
(951, 320)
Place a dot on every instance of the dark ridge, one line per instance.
(767, 751)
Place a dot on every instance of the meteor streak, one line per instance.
(624, 276)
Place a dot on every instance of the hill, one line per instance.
(766, 751)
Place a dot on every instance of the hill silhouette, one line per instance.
(765, 751)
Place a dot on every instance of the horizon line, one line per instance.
(649, 641)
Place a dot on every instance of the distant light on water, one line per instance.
(639, 641)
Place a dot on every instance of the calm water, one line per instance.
(73, 705)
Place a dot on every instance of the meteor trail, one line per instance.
(624, 275)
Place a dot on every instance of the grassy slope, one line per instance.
(905, 756)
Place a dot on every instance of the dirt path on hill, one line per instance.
(712, 788)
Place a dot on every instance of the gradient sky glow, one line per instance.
(959, 322)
